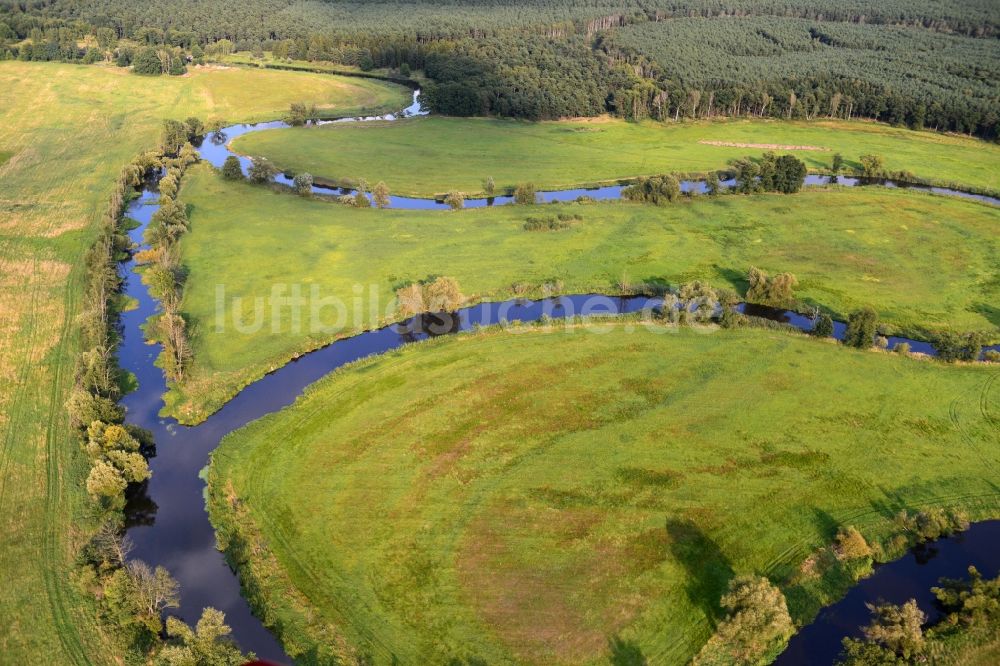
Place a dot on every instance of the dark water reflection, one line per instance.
(910, 577)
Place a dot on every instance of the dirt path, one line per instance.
(765, 146)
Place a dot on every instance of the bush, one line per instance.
(231, 169)
(823, 328)
(195, 128)
(361, 200)
(850, 544)
(380, 193)
(297, 114)
(933, 523)
(442, 294)
(712, 185)
(861, 328)
(770, 174)
(562, 221)
(123, 57)
(455, 200)
(525, 193)
(173, 136)
(895, 636)
(85, 408)
(902, 348)
(776, 291)
(872, 166)
(147, 62)
(657, 190)
(261, 171)
(953, 347)
(303, 183)
(756, 627)
(106, 485)
(992, 356)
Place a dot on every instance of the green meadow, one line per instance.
(66, 131)
(584, 494)
(427, 156)
(926, 262)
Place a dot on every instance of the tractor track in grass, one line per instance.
(984, 400)
(956, 421)
(20, 389)
(56, 437)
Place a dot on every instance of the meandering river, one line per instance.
(166, 516)
(216, 149)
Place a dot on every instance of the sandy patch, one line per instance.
(765, 146)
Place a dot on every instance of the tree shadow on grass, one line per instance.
(625, 653)
(737, 279)
(708, 569)
(807, 595)
(991, 312)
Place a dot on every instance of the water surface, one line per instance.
(166, 516)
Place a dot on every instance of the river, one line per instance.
(166, 517)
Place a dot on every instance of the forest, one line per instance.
(919, 64)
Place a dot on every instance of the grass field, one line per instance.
(426, 156)
(925, 262)
(67, 131)
(578, 491)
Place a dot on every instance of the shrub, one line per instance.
(173, 136)
(953, 347)
(455, 200)
(147, 62)
(712, 183)
(902, 348)
(85, 408)
(992, 356)
(442, 294)
(361, 200)
(933, 523)
(380, 193)
(303, 183)
(969, 602)
(261, 171)
(525, 193)
(657, 190)
(895, 636)
(862, 326)
(562, 221)
(777, 290)
(872, 166)
(195, 128)
(231, 169)
(297, 114)
(850, 544)
(770, 174)
(176, 67)
(823, 328)
(106, 485)
(756, 627)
